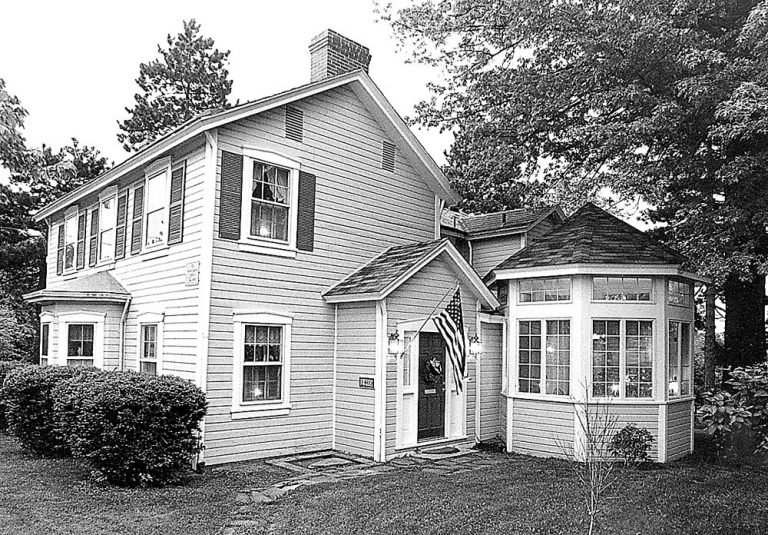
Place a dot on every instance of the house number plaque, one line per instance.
(193, 274)
(366, 383)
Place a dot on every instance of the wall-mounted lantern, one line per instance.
(475, 346)
(395, 345)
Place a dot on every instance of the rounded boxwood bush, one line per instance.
(6, 366)
(27, 395)
(135, 429)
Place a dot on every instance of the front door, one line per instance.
(431, 399)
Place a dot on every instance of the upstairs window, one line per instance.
(70, 241)
(107, 219)
(156, 209)
(679, 293)
(636, 289)
(80, 344)
(45, 340)
(545, 290)
(270, 202)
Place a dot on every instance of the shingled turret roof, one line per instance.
(592, 236)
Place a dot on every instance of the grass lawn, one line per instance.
(521, 495)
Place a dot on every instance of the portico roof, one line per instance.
(99, 287)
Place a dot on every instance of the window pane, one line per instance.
(621, 288)
(558, 357)
(529, 359)
(408, 341)
(44, 340)
(156, 227)
(674, 358)
(685, 359)
(605, 358)
(639, 359)
(107, 245)
(156, 192)
(149, 367)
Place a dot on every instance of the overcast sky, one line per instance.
(73, 64)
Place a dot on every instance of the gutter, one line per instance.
(123, 318)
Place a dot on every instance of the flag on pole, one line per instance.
(450, 324)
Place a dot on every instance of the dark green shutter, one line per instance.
(305, 238)
(60, 250)
(81, 222)
(120, 227)
(176, 205)
(138, 218)
(93, 246)
(231, 196)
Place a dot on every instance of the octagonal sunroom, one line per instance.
(597, 315)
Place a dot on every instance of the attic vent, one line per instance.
(388, 156)
(294, 123)
(503, 218)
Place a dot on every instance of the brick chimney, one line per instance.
(333, 54)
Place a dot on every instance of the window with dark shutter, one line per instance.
(388, 156)
(60, 251)
(305, 237)
(231, 197)
(122, 222)
(81, 222)
(294, 123)
(138, 218)
(176, 205)
(93, 245)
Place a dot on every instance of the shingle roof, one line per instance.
(99, 286)
(592, 236)
(517, 219)
(385, 269)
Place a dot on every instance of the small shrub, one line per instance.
(631, 444)
(27, 394)
(5, 368)
(135, 429)
(737, 417)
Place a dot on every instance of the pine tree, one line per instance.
(189, 77)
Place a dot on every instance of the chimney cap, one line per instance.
(332, 54)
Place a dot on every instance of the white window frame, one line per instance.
(69, 318)
(682, 324)
(543, 364)
(544, 302)
(46, 318)
(109, 194)
(623, 359)
(688, 295)
(153, 170)
(261, 244)
(70, 215)
(650, 301)
(150, 318)
(255, 409)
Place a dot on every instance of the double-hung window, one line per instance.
(70, 241)
(637, 289)
(107, 220)
(80, 338)
(270, 201)
(679, 382)
(45, 343)
(622, 358)
(156, 209)
(262, 364)
(544, 357)
(148, 350)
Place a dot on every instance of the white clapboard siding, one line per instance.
(490, 252)
(490, 374)
(155, 279)
(643, 416)
(678, 429)
(361, 210)
(417, 299)
(542, 428)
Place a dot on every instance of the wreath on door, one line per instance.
(433, 371)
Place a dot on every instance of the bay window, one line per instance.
(544, 357)
(636, 289)
(679, 293)
(45, 343)
(679, 373)
(148, 348)
(80, 338)
(622, 358)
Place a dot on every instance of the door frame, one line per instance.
(406, 434)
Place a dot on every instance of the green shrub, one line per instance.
(27, 394)
(631, 444)
(5, 368)
(737, 417)
(135, 429)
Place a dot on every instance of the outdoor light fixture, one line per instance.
(395, 346)
(475, 347)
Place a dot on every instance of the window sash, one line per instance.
(107, 223)
(679, 293)
(70, 241)
(80, 344)
(625, 289)
(544, 357)
(545, 290)
(619, 368)
(262, 366)
(679, 378)
(156, 198)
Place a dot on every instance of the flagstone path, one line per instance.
(332, 467)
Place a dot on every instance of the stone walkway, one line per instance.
(333, 467)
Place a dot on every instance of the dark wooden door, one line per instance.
(431, 399)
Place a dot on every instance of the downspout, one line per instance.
(123, 319)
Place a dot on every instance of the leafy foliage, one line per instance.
(136, 429)
(632, 445)
(28, 396)
(6, 366)
(739, 414)
(191, 76)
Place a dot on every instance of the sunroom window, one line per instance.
(270, 201)
(80, 345)
(545, 290)
(679, 382)
(622, 288)
(622, 358)
(679, 293)
(545, 371)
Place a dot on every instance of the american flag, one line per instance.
(450, 324)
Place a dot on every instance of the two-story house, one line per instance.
(272, 252)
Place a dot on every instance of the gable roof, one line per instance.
(506, 221)
(385, 273)
(358, 81)
(101, 286)
(592, 236)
